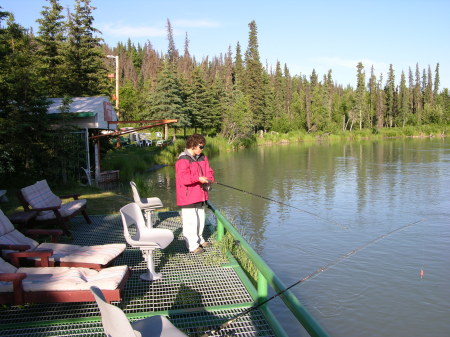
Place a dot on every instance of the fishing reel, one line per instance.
(207, 187)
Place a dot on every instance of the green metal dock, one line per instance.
(197, 292)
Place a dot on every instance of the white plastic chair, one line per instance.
(146, 239)
(116, 324)
(148, 205)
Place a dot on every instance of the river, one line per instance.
(345, 195)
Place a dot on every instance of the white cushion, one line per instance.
(39, 195)
(68, 278)
(6, 267)
(66, 210)
(11, 236)
(101, 254)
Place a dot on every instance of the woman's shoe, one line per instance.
(205, 244)
(198, 250)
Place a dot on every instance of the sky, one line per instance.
(304, 35)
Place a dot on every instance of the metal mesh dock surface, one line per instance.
(199, 292)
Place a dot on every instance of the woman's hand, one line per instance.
(203, 180)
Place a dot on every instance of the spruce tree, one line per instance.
(86, 74)
(238, 67)
(23, 113)
(167, 100)
(371, 111)
(360, 92)
(199, 100)
(436, 81)
(417, 96)
(390, 96)
(51, 41)
(278, 91)
(403, 100)
(253, 79)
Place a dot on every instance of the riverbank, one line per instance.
(134, 162)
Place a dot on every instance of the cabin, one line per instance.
(84, 112)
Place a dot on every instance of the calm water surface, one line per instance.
(349, 195)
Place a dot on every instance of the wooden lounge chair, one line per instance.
(66, 255)
(58, 284)
(39, 197)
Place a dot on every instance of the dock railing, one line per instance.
(267, 277)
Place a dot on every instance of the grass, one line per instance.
(354, 135)
(99, 202)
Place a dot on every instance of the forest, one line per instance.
(232, 95)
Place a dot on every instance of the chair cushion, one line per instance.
(68, 278)
(39, 195)
(101, 254)
(11, 236)
(5, 224)
(6, 267)
(66, 210)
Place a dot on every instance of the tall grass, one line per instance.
(354, 135)
(130, 161)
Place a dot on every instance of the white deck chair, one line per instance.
(146, 239)
(116, 324)
(148, 205)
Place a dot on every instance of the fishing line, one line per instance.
(282, 203)
(308, 277)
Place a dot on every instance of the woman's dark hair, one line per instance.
(194, 140)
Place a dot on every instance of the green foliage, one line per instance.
(131, 161)
(238, 121)
(23, 120)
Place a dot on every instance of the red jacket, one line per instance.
(187, 171)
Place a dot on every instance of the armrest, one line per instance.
(11, 277)
(54, 233)
(50, 208)
(14, 247)
(75, 196)
(16, 279)
(42, 254)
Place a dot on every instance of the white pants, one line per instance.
(193, 225)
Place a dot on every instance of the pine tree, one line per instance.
(371, 111)
(428, 92)
(436, 81)
(167, 101)
(51, 41)
(237, 123)
(198, 101)
(417, 96)
(86, 75)
(403, 100)
(23, 113)
(278, 91)
(238, 67)
(360, 92)
(381, 103)
(390, 96)
(172, 52)
(253, 79)
(287, 90)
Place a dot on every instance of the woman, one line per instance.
(193, 175)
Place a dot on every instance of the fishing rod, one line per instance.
(281, 203)
(308, 277)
